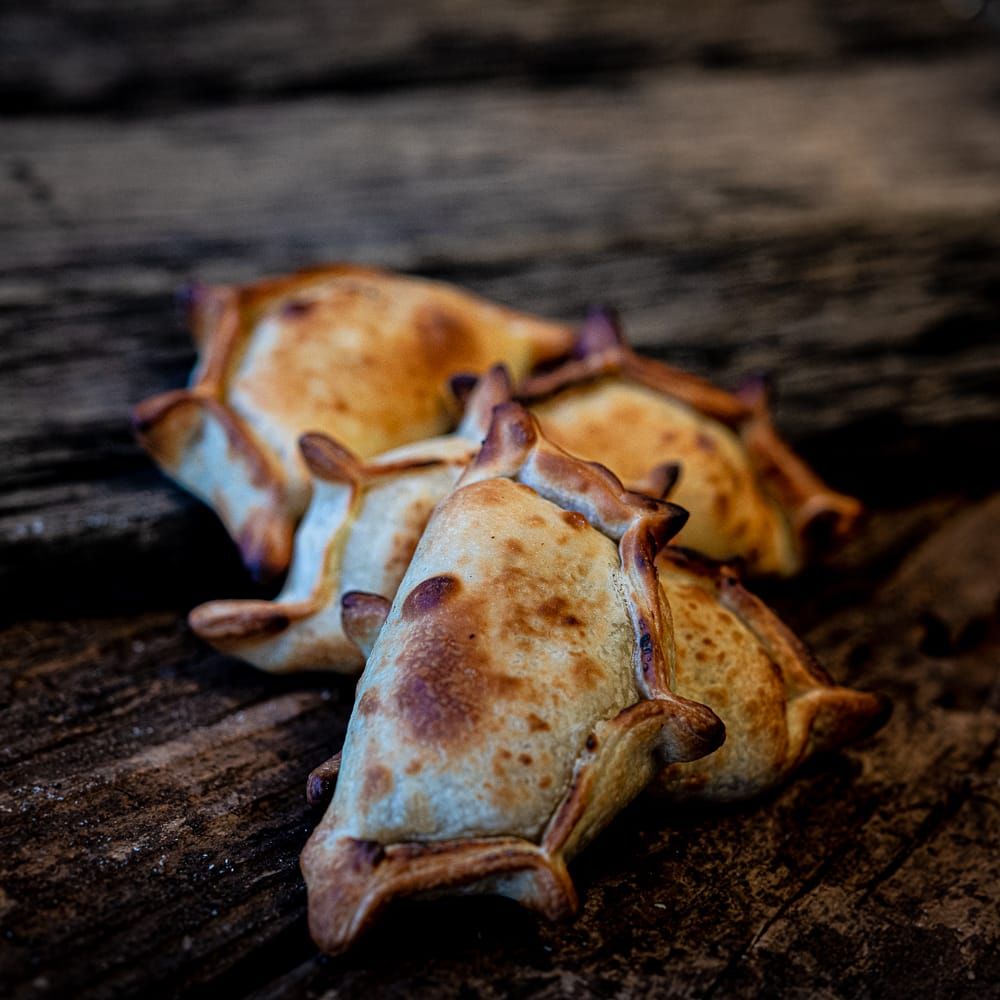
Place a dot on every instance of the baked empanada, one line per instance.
(362, 524)
(516, 698)
(735, 655)
(354, 353)
(748, 494)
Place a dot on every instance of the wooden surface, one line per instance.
(811, 189)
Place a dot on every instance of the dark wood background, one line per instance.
(807, 188)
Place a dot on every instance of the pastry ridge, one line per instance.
(783, 488)
(607, 758)
(354, 352)
(363, 522)
(780, 706)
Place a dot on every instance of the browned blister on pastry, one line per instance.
(665, 431)
(354, 353)
(517, 696)
(362, 524)
(735, 655)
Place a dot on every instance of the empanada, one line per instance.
(358, 534)
(748, 494)
(354, 353)
(516, 698)
(735, 655)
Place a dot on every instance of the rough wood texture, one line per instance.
(769, 227)
(804, 188)
(153, 805)
(110, 56)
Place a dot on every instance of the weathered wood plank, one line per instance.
(167, 778)
(114, 56)
(156, 793)
(730, 219)
(489, 175)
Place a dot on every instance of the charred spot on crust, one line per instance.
(294, 308)
(490, 492)
(591, 743)
(526, 759)
(378, 783)
(441, 333)
(503, 685)
(555, 611)
(646, 650)
(447, 685)
(437, 696)
(368, 703)
(430, 594)
(536, 723)
(586, 671)
(704, 442)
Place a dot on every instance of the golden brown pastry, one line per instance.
(358, 354)
(778, 704)
(666, 432)
(516, 698)
(358, 534)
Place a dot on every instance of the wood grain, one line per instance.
(158, 793)
(881, 279)
(117, 57)
(484, 176)
(806, 188)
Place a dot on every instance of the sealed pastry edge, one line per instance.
(221, 319)
(350, 881)
(245, 628)
(815, 514)
(822, 716)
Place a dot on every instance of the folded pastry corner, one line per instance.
(359, 531)
(517, 697)
(660, 429)
(354, 353)
(778, 704)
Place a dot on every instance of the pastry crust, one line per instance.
(354, 353)
(358, 534)
(749, 495)
(517, 697)
(778, 704)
